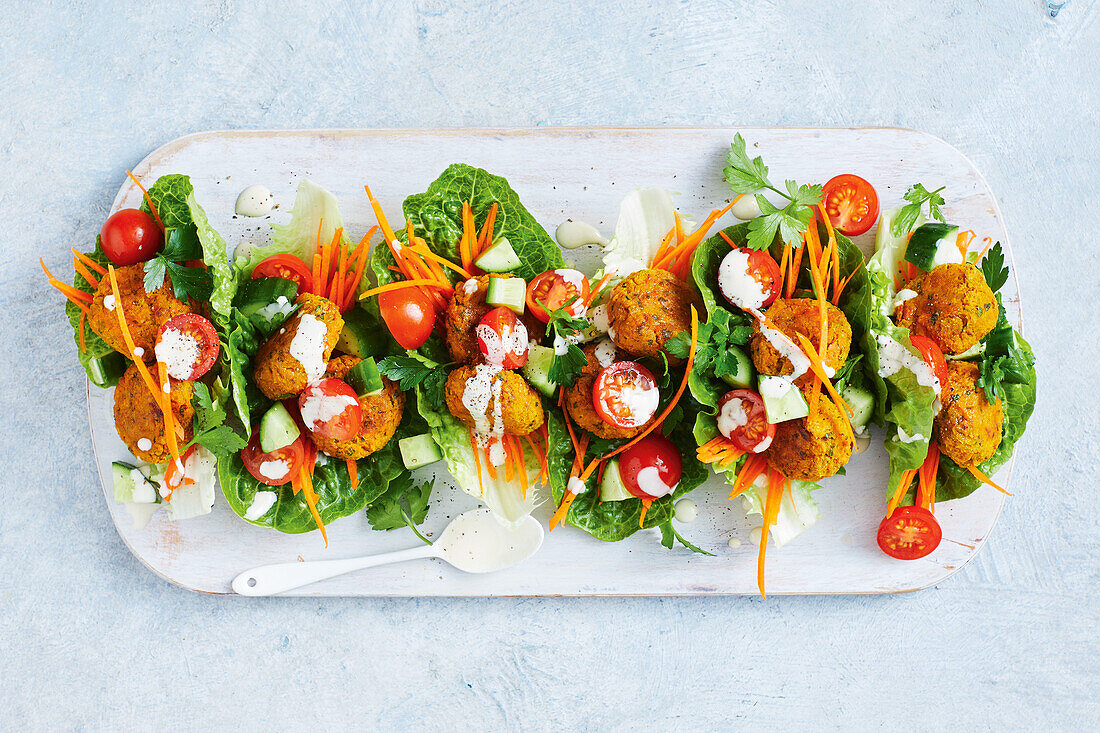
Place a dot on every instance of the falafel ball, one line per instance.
(465, 311)
(954, 307)
(381, 416)
(140, 422)
(801, 315)
(578, 398)
(813, 447)
(520, 406)
(968, 429)
(145, 312)
(284, 365)
(648, 308)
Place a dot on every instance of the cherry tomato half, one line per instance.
(932, 355)
(287, 267)
(749, 278)
(553, 289)
(277, 467)
(130, 236)
(502, 339)
(744, 422)
(409, 315)
(188, 346)
(330, 409)
(911, 532)
(851, 203)
(651, 468)
(625, 394)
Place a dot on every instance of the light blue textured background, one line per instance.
(89, 639)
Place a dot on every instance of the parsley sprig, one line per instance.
(405, 504)
(1003, 361)
(669, 535)
(415, 370)
(747, 175)
(994, 269)
(181, 244)
(917, 196)
(564, 326)
(210, 430)
(713, 353)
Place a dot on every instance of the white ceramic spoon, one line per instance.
(474, 542)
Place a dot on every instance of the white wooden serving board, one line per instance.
(579, 173)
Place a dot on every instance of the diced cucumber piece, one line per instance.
(267, 302)
(277, 429)
(364, 378)
(612, 487)
(537, 369)
(782, 400)
(500, 257)
(933, 244)
(862, 404)
(132, 486)
(509, 292)
(107, 370)
(361, 335)
(418, 450)
(744, 375)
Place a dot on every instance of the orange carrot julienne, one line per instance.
(563, 510)
(538, 454)
(771, 510)
(489, 467)
(168, 417)
(646, 503)
(315, 263)
(904, 480)
(792, 274)
(663, 248)
(337, 289)
(988, 242)
(148, 200)
(85, 273)
(485, 238)
(128, 339)
(387, 231)
(89, 262)
(477, 462)
(977, 473)
(595, 291)
(311, 501)
(72, 293)
(425, 252)
(353, 472)
(818, 369)
(964, 240)
(420, 283)
(678, 227)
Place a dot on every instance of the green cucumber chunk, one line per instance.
(862, 404)
(364, 378)
(508, 292)
(277, 429)
(361, 335)
(418, 450)
(108, 369)
(132, 486)
(933, 244)
(537, 369)
(612, 487)
(744, 375)
(782, 400)
(500, 257)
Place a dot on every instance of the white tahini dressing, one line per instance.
(576, 279)
(650, 482)
(576, 486)
(732, 416)
(640, 403)
(470, 286)
(109, 301)
(496, 346)
(274, 469)
(280, 307)
(893, 357)
(573, 234)
(144, 444)
(482, 398)
(901, 297)
(746, 208)
(261, 502)
(685, 510)
(255, 200)
(737, 285)
(179, 352)
(597, 318)
(308, 346)
(906, 438)
(318, 408)
(605, 353)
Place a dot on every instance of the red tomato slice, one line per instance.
(744, 422)
(330, 409)
(188, 346)
(502, 339)
(761, 268)
(130, 236)
(932, 355)
(274, 468)
(409, 315)
(651, 468)
(553, 289)
(851, 203)
(625, 394)
(911, 532)
(287, 267)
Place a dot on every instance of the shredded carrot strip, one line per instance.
(784, 263)
(672, 404)
(425, 252)
(964, 240)
(595, 291)
(977, 473)
(336, 292)
(477, 463)
(678, 227)
(563, 510)
(832, 246)
(844, 284)
(471, 231)
(926, 476)
(421, 283)
(361, 253)
(74, 294)
(89, 262)
(167, 414)
(599, 476)
(387, 232)
(521, 460)
(664, 246)
(143, 370)
(750, 470)
(792, 274)
(464, 242)
(85, 273)
(83, 315)
(485, 239)
(988, 242)
(311, 501)
(645, 509)
(148, 200)
(538, 454)
(816, 365)
(904, 481)
(492, 470)
(509, 463)
(353, 472)
(315, 263)
(774, 498)
(688, 245)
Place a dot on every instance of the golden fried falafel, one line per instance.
(520, 406)
(296, 355)
(145, 312)
(140, 422)
(954, 307)
(381, 416)
(813, 447)
(578, 398)
(648, 308)
(465, 311)
(968, 429)
(801, 315)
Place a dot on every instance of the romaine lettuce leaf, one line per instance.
(646, 215)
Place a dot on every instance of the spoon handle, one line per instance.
(268, 580)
